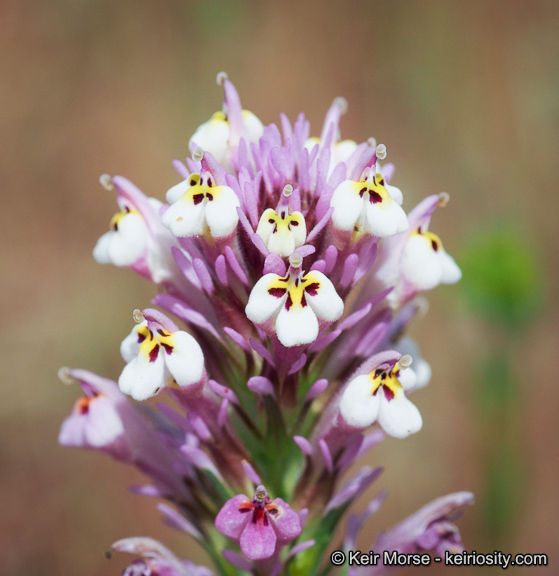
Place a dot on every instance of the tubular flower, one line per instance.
(380, 396)
(425, 263)
(136, 238)
(200, 206)
(259, 525)
(293, 306)
(220, 135)
(368, 206)
(281, 230)
(158, 355)
(275, 372)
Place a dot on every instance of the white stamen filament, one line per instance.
(64, 375)
(444, 197)
(137, 316)
(405, 361)
(220, 78)
(381, 151)
(106, 181)
(296, 260)
(197, 154)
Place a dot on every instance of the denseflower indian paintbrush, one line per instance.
(288, 272)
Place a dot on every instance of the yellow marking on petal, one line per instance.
(295, 297)
(115, 220)
(433, 239)
(374, 191)
(388, 380)
(147, 342)
(295, 289)
(218, 117)
(278, 287)
(200, 190)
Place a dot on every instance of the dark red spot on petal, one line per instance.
(374, 197)
(312, 288)
(197, 198)
(210, 183)
(362, 191)
(168, 347)
(259, 516)
(82, 405)
(153, 353)
(193, 182)
(288, 302)
(435, 245)
(378, 372)
(277, 292)
(388, 393)
(247, 507)
(141, 337)
(271, 220)
(209, 196)
(303, 300)
(294, 222)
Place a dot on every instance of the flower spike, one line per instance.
(295, 272)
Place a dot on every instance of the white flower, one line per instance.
(158, 358)
(136, 238)
(425, 264)
(282, 231)
(198, 206)
(369, 206)
(126, 241)
(292, 306)
(214, 136)
(380, 396)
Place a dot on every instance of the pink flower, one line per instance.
(258, 524)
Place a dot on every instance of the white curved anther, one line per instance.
(106, 181)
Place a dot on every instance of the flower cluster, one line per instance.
(294, 271)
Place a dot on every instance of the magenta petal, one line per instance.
(286, 522)
(229, 521)
(258, 541)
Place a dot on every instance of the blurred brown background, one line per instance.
(465, 96)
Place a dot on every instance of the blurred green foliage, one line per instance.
(503, 277)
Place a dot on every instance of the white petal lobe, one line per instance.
(358, 406)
